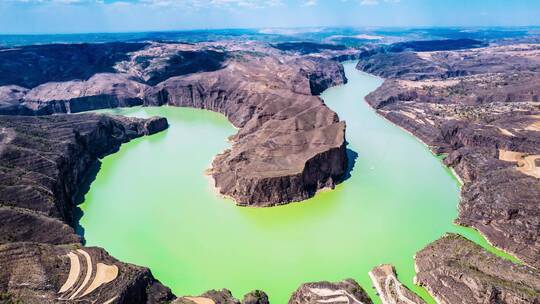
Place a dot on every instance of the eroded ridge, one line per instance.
(102, 274)
(481, 107)
(224, 296)
(457, 271)
(347, 291)
(390, 289)
(43, 163)
(289, 144)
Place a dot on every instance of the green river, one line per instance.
(152, 205)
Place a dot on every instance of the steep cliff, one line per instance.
(44, 162)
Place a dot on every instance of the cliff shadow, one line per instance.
(352, 156)
(78, 198)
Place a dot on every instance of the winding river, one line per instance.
(152, 205)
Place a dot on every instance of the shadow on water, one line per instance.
(352, 156)
(78, 198)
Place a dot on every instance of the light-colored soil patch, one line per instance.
(506, 132)
(104, 274)
(334, 296)
(110, 301)
(526, 164)
(419, 84)
(201, 300)
(510, 156)
(390, 289)
(74, 272)
(534, 126)
(89, 269)
(408, 114)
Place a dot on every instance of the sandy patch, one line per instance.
(201, 300)
(526, 164)
(110, 301)
(89, 269)
(336, 296)
(408, 114)
(419, 84)
(534, 126)
(104, 274)
(506, 132)
(74, 272)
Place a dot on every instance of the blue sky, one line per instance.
(76, 16)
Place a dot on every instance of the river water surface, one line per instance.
(152, 205)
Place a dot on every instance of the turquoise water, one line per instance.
(152, 205)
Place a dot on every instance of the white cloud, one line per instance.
(176, 3)
(376, 2)
(309, 3)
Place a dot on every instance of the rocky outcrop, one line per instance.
(487, 123)
(45, 273)
(255, 297)
(390, 289)
(100, 91)
(446, 64)
(44, 161)
(224, 296)
(346, 291)
(457, 271)
(30, 66)
(289, 144)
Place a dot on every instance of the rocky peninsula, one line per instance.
(289, 144)
(478, 104)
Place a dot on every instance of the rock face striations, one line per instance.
(346, 291)
(289, 144)
(390, 289)
(224, 296)
(487, 120)
(43, 163)
(482, 108)
(455, 270)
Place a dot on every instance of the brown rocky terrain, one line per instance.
(46, 273)
(44, 162)
(224, 296)
(346, 291)
(455, 270)
(289, 144)
(477, 119)
(480, 107)
(390, 289)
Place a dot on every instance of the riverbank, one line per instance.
(355, 227)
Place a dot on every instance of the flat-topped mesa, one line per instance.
(289, 144)
(481, 106)
(457, 271)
